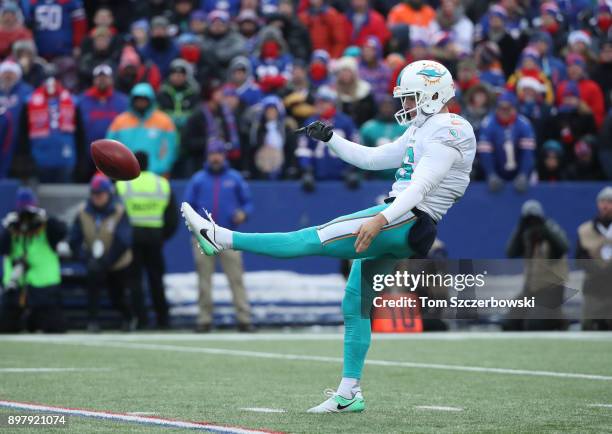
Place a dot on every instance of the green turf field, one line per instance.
(493, 382)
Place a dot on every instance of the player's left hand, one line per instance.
(368, 231)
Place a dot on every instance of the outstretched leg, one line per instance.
(336, 238)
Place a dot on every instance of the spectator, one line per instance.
(355, 95)
(101, 238)
(585, 164)
(14, 93)
(197, 24)
(552, 22)
(181, 14)
(213, 120)
(180, 94)
(272, 142)
(477, 103)
(102, 52)
(139, 32)
(48, 132)
(580, 42)
(145, 128)
(221, 41)
(451, 18)
(532, 105)
(316, 161)
(132, 71)
(149, 203)
(602, 20)
(103, 17)
(416, 14)
(381, 130)
(11, 28)
(590, 92)
(298, 98)
(530, 67)
(544, 245)
(204, 190)
(488, 57)
(32, 277)
(271, 62)
(32, 66)
(511, 44)
(59, 27)
(551, 167)
(161, 48)
(574, 118)
(594, 254)
(605, 146)
(248, 25)
(292, 29)
(467, 77)
(551, 66)
(364, 22)
(602, 74)
(97, 108)
(241, 76)
(373, 69)
(506, 146)
(318, 70)
(327, 27)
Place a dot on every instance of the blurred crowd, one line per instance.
(170, 77)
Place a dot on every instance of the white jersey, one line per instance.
(433, 164)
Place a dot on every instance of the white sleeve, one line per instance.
(388, 156)
(431, 169)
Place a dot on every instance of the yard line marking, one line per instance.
(600, 405)
(142, 413)
(124, 417)
(36, 370)
(437, 407)
(328, 335)
(326, 359)
(263, 409)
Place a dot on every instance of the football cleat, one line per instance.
(339, 404)
(203, 229)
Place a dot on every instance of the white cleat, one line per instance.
(204, 230)
(339, 404)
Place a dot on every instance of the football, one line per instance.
(115, 160)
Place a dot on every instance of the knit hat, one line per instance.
(553, 146)
(530, 83)
(197, 15)
(326, 93)
(240, 62)
(216, 145)
(25, 199)
(532, 208)
(10, 66)
(218, 15)
(498, 11)
(100, 184)
(320, 56)
(507, 97)
(345, 63)
(160, 21)
(103, 69)
(605, 194)
(579, 36)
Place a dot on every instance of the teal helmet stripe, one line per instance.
(399, 77)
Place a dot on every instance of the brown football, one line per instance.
(114, 159)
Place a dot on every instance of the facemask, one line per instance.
(318, 71)
(270, 50)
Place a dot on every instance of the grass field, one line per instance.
(532, 383)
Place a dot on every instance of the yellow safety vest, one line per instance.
(146, 199)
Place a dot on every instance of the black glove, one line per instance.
(352, 180)
(97, 266)
(318, 131)
(308, 182)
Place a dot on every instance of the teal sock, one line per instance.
(304, 242)
(357, 330)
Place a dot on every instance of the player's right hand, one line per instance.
(318, 131)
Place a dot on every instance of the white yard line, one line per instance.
(128, 418)
(301, 357)
(44, 370)
(437, 407)
(263, 409)
(600, 405)
(326, 335)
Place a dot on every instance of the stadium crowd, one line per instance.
(169, 77)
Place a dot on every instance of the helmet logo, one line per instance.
(431, 74)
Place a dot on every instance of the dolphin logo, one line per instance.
(431, 73)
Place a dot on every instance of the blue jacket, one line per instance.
(122, 236)
(97, 114)
(221, 194)
(7, 126)
(13, 101)
(506, 150)
(161, 58)
(315, 156)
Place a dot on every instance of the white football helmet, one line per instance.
(430, 84)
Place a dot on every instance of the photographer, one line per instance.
(31, 296)
(544, 245)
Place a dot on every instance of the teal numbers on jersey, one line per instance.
(405, 172)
